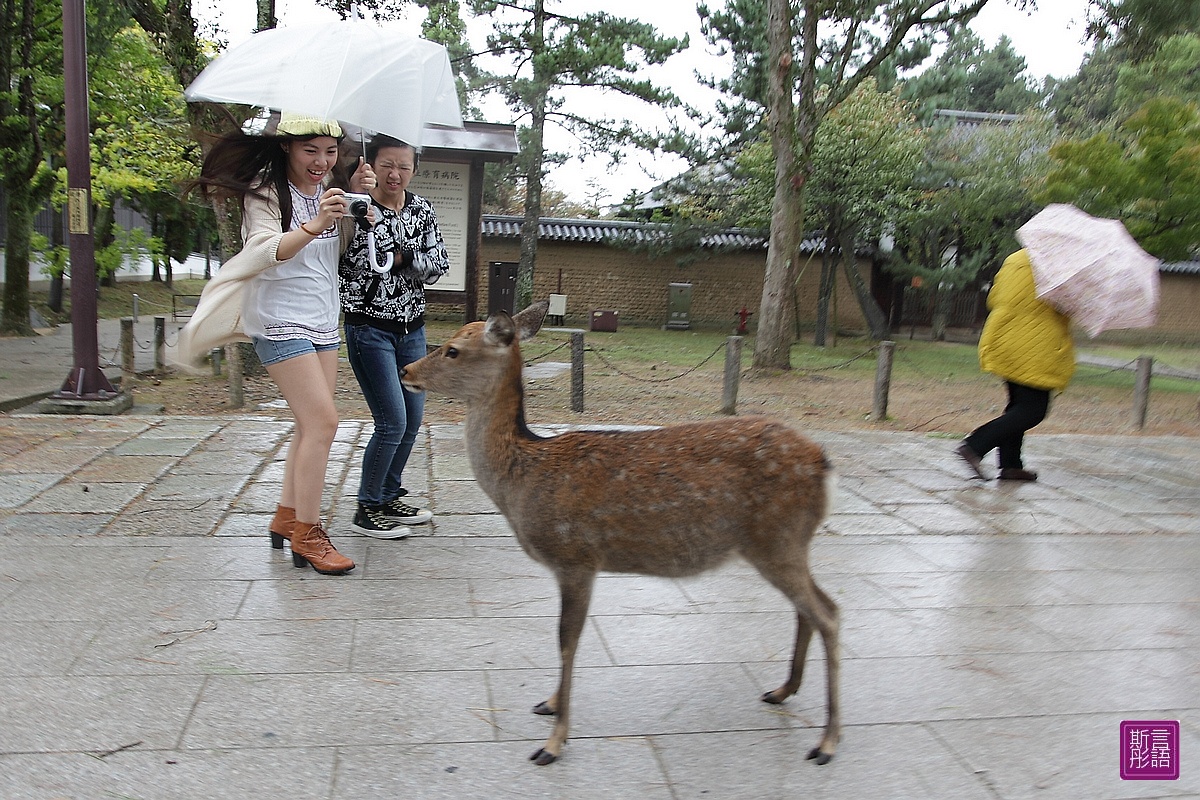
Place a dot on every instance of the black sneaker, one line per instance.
(402, 512)
(374, 521)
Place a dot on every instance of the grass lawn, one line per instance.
(651, 375)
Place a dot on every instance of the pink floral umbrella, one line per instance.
(1091, 269)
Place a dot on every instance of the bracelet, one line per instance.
(310, 233)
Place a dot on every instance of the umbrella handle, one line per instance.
(386, 266)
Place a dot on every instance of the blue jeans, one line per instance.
(377, 356)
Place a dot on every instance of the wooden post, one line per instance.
(733, 374)
(577, 371)
(233, 355)
(127, 360)
(1141, 391)
(160, 338)
(883, 381)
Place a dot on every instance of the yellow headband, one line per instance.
(301, 125)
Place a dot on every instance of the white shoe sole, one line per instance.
(400, 532)
(423, 515)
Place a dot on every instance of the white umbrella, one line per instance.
(1091, 269)
(374, 77)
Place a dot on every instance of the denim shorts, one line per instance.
(271, 351)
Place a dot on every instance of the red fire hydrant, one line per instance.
(743, 315)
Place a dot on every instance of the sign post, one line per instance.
(86, 385)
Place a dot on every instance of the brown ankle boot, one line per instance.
(311, 545)
(281, 526)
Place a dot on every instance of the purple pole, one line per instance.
(86, 380)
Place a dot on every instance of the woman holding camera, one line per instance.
(281, 292)
(385, 330)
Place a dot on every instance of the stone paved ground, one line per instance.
(153, 646)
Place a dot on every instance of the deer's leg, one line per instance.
(799, 655)
(829, 626)
(814, 609)
(576, 592)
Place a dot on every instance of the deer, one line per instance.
(672, 501)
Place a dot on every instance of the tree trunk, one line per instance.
(102, 236)
(825, 292)
(22, 157)
(16, 251)
(877, 326)
(943, 298)
(155, 275)
(266, 15)
(533, 173)
(55, 297)
(772, 345)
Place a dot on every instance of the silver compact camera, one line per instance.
(358, 204)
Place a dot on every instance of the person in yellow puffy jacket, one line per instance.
(1027, 343)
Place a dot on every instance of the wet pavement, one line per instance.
(153, 645)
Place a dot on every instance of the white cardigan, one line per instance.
(217, 320)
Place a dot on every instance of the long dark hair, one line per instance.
(240, 164)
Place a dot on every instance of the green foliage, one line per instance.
(969, 76)
(977, 188)
(1137, 27)
(552, 52)
(861, 38)
(864, 159)
(444, 24)
(30, 105)
(140, 140)
(126, 248)
(1087, 101)
(1169, 72)
(866, 154)
(380, 10)
(54, 258)
(1148, 176)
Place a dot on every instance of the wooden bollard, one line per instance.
(127, 360)
(577, 371)
(160, 338)
(883, 381)
(233, 356)
(1141, 391)
(733, 374)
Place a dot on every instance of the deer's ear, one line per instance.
(499, 329)
(529, 321)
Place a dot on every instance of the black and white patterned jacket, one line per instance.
(420, 259)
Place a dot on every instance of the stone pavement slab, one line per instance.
(153, 645)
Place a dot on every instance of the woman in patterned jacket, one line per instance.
(384, 309)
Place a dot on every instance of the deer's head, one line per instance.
(477, 357)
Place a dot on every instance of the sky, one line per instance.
(1049, 38)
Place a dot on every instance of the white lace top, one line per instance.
(298, 299)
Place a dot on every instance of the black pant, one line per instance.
(1026, 408)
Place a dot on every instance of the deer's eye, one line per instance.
(451, 352)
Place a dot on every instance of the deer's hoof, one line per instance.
(543, 757)
(774, 698)
(546, 710)
(820, 757)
